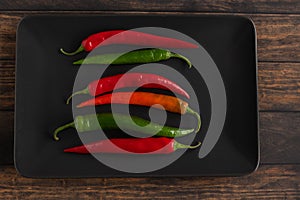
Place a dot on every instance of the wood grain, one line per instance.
(7, 137)
(278, 35)
(279, 56)
(280, 138)
(279, 86)
(278, 83)
(8, 27)
(7, 71)
(251, 6)
(7, 84)
(269, 182)
(279, 132)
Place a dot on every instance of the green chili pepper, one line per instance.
(133, 57)
(130, 123)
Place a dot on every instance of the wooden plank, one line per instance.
(7, 96)
(279, 132)
(8, 26)
(278, 35)
(251, 6)
(6, 137)
(279, 86)
(280, 138)
(7, 71)
(7, 84)
(269, 182)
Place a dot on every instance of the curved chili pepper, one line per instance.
(169, 103)
(132, 145)
(131, 38)
(130, 123)
(133, 57)
(144, 80)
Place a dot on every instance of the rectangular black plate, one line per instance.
(45, 77)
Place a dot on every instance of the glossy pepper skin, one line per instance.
(131, 38)
(131, 123)
(127, 80)
(169, 103)
(133, 57)
(132, 145)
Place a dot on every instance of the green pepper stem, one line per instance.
(178, 145)
(191, 111)
(175, 55)
(84, 91)
(80, 49)
(61, 128)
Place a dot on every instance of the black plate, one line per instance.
(45, 79)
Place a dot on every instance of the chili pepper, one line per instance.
(144, 80)
(133, 57)
(132, 145)
(131, 38)
(131, 123)
(169, 103)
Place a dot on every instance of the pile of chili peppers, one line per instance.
(163, 142)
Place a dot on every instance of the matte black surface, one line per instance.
(44, 79)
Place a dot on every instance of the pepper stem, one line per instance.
(178, 145)
(175, 55)
(61, 128)
(191, 111)
(80, 49)
(84, 91)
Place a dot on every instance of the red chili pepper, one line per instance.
(129, 37)
(144, 80)
(160, 145)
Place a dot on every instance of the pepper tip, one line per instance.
(183, 58)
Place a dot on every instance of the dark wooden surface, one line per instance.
(269, 182)
(229, 6)
(278, 177)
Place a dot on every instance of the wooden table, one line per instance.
(278, 177)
